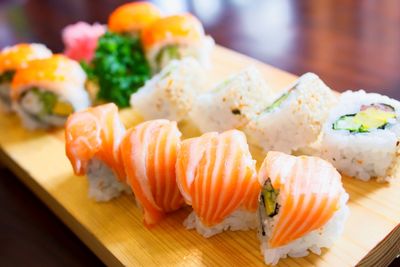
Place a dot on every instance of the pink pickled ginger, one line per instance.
(80, 40)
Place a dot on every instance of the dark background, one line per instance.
(350, 44)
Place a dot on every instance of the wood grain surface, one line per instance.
(114, 230)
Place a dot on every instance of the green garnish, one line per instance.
(119, 67)
(7, 76)
(169, 51)
(279, 101)
(269, 197)
(374, 116)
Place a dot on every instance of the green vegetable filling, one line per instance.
(269, 198)
(280, 100)
(370, 117)
(169, 52)
(119, 67)
(7, 76)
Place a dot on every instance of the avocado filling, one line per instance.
(40, 104)
(370, 117)
(167, 53)
(268, 203)
(7, 76)
(280, 100)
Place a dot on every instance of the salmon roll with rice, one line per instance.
(92, 139)
(13, 58)
(131, 18)
(149, 153)
(361, 136)
(217, 177)
(48, 90)
(232, 103)
(176, 37)
(294, 119)
(302, 206)
(171, 93)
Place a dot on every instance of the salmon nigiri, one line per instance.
(175, 37)
(13, 58)
(149, 155)
(302, 205)
(133, 17)
(216, 175)
(92, 140)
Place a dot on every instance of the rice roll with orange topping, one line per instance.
(302, 206)
(131, 18)
(149, 153)
(11, 59)
(48, 90)
(361, 136)
(92, 139)
(176, 37)
(217, 177)
(170, 94)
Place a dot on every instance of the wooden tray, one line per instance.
(114, 230)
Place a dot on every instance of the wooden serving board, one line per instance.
(114, 230)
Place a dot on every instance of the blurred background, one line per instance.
(351, 44)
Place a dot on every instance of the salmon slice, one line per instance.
(149, 153)
(133, 17)
(309, 192)
(17, 56)
(95, 132)
(216, 175)
(184, 28)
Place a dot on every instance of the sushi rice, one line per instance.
(366, 154)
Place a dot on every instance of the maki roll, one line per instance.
(48, 90)
(132, 17)
(361, 136)
(217, 177)
(302, 206)
(171, 93)
(149, 155)
(232, 103)
(176, 37)
(294, 120)
(13, 58)
(92, 139)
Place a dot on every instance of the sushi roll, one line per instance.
(149, 155)
(11, 59)
(302, 206)
(92, 139)
(361, 136)
(176, 37)
(232, 103)
(48, 90)
(294, 120)
(170, 94)
(217, 177)
(132, 17)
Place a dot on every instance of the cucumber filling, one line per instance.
(40, 104)
(268, 205)
(370, 117)
(277, 103)
(166, 54)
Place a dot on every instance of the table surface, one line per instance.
(349, 44)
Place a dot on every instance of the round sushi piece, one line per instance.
(217, 177)
(13, 58)
(361, 136)
(92, 139)
(232, 103)
(302, 206)
(48, 90)
(149, 153)
(294, 120)
(171, 93)
(132, 17)
(176, 37)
